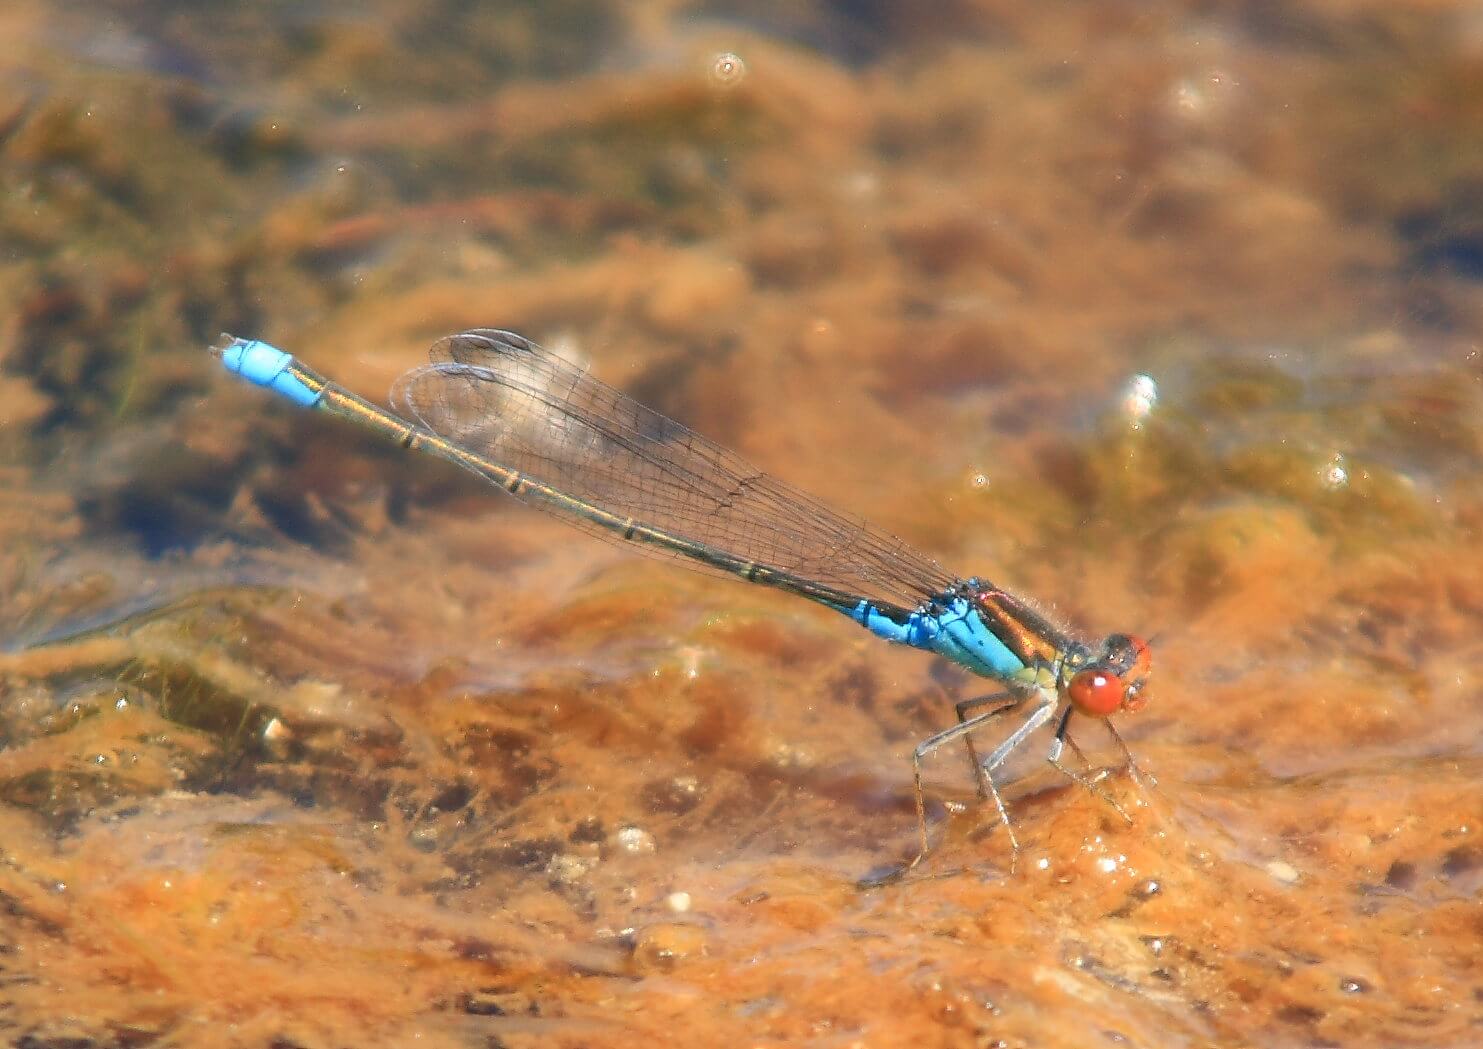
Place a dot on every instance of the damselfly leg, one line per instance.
(1043, 711)
(1092, 783)
(1005, 699)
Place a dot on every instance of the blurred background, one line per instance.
(1165, 315)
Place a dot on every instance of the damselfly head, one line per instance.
(1114, 682)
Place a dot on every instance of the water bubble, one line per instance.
(1283, 871)
(1187, 97)
(1335, 473)
(691, 657)
(1202, 97)
(1140, 396)
(728, 69)
(635, 840)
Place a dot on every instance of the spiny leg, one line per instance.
(1039, 716)
(1006, 699)
(1036, 718)
(1053, 755)
(1086, 763)
(1140, 777)
(1143, 779)
(927, 746)
(1080, 756)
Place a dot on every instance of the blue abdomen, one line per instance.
(957, 633)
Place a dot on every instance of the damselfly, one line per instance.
(553, 436)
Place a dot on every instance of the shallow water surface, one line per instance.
(1166, 315)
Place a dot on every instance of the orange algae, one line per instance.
(308, 744)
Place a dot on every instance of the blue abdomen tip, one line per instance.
(267, 366)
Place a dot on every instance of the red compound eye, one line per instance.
(1096, 693)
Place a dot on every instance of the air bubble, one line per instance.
(728, 69)
(1140, 396)
(1335, 473)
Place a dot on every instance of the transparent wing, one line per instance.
(507, 400)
